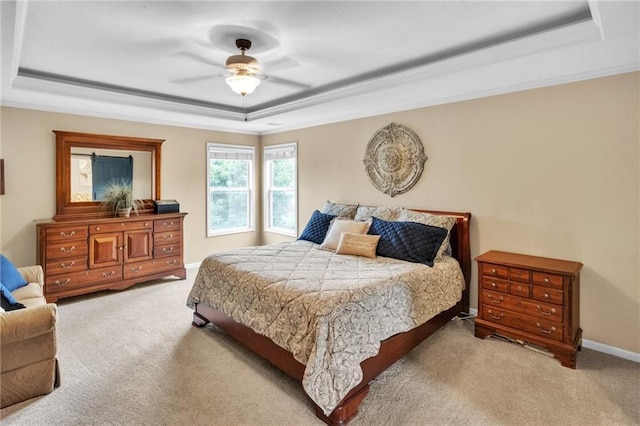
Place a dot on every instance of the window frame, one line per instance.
(274, 150)
(232, 150)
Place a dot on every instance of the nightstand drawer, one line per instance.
(497, 271)
(548, 295)
(495, 284)
(541, 278)
(521, 275)
(520, 289)
(543, 311)
(539, 327)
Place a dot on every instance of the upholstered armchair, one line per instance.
(29, 367)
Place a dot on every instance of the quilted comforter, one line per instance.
(330, 311)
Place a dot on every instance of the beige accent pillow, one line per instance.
(339, 225)
(358, 244)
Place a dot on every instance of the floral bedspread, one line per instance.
(330, 311)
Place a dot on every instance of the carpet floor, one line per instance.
(133, 358)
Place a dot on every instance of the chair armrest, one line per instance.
(23, 324)
(33, 274)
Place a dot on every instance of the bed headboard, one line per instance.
(460, 247)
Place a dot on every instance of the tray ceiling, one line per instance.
(322, 62)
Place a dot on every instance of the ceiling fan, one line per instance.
(244, 69)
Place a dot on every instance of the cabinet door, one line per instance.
(105, 250)
(139, 245)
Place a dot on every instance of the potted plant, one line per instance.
(118, 198)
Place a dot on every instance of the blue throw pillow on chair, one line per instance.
(10, 277)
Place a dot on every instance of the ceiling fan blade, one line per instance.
(195, 79)
(200, 58)
(287, 82)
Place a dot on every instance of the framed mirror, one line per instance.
(85, 162)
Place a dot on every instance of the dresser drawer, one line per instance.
(167, 250)
(495, 284)
(521, 275)
(167, 237)
(497, 271)
(548, 295)
(541, 278)
(162, 225)
(520, 289)
(66, 266)
(533, 325)
(66, 233)
(66, 249)
(543, 311)
(120, 226)
(64, 282)
(149, 267)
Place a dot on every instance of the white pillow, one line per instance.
(338, 226)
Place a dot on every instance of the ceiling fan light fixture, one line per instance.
(243, 84)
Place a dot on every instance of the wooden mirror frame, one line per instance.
(65, 209)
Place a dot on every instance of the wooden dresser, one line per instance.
(531, 299)
(87, 255)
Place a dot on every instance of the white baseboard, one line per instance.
(192, 265)
(600, 347)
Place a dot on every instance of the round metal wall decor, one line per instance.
(394, 159)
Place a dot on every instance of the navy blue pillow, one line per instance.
(317, 227)
(8, 302)
(9, 275)
(410, 241)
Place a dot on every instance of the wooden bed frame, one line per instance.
(391, 350)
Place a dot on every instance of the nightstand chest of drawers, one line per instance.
(531, 299)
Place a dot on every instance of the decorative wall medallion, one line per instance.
(394, 159)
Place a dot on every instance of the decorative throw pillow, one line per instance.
(342, 210)
(7, 301)
(410, 241)
(446, 222)
(10, 277)
(317, 227)
(384, 213)
(340, 225)
(358, 244)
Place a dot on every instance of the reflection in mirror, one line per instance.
(91, 169)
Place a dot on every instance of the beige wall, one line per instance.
(28, 148)
(550, 172)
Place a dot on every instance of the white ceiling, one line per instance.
(322, 61)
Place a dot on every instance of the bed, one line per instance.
(333, 322)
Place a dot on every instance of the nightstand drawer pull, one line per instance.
(167, 237)
(69, 250)
(545, 331)
(65, 282)
(110, 274)
(171, 262)
(65, 235)
(138, 269)
(167, 250)
(497, 317)
(499, 300)
(551, 311)
(65, 266)
(167, 224)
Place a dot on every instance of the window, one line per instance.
(280, 189)
(230, 206)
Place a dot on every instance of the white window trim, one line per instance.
(271, 152)
(232, 152)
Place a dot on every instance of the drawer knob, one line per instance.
(65, 282)
(493, 271)
(65, 250)
(546, 295)
(545, 331)
(550, 312)
(546, 279)
(495, 317)
(493, 284)
(494, 300)
(65, 235)
(65, 266)
(97, 228)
